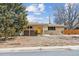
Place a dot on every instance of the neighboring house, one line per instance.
(34, 29)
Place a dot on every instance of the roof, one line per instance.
(44, 24)
(56, 25)
(35, 23)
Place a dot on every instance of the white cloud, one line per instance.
(36, 8)
(31, 8)
(41, 7)
(37, 13)
(31, 18)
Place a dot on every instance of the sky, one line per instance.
(40, 12)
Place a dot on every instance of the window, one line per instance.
(51, 28)
(29, 27)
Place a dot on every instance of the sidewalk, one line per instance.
(3, 50)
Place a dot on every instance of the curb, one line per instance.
(21, 49)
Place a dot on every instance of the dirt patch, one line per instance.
(34, 41)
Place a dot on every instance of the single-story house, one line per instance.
(34, 29)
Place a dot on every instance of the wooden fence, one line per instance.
(72, 32)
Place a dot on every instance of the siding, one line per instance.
(58, 31)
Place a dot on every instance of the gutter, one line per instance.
(30, 49)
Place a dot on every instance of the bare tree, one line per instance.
(68, 15)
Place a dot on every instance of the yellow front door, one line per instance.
(38, 29)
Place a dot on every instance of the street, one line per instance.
(42, 53)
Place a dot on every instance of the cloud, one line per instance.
(32, 18)
(36, 8)
(41, 7)
(31, 8)
(37, 13)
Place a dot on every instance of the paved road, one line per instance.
(43, 53)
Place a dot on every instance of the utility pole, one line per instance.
(49, 20)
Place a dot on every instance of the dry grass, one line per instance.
(33, 41)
